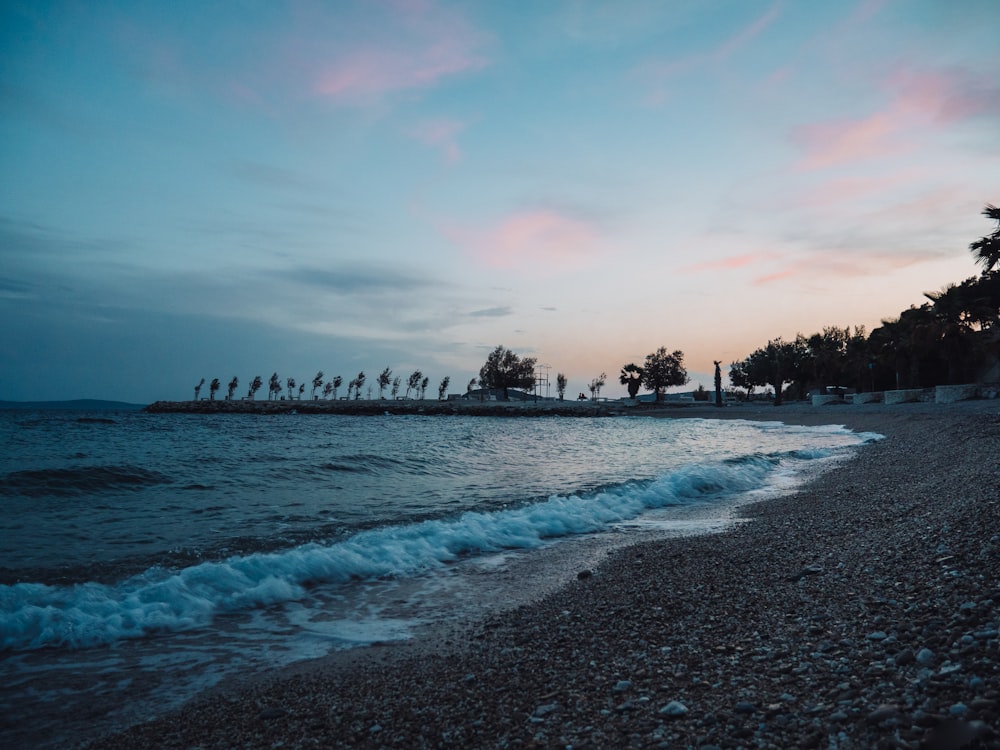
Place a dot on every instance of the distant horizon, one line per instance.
(346, 187)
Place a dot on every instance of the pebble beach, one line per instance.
(859, 612)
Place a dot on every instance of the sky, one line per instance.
(194, 190)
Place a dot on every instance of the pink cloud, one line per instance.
(918, 103)
(728, 264)
(416, 47)
(540, 238)
(440, 134)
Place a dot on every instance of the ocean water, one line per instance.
(144, 558)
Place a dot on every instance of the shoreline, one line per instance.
(861, 609)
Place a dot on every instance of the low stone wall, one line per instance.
(867, 398)
(824, 399)
(949, 394)
(905, 396)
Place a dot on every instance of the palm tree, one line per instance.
(631, 378)
(214, 386)
(290, 382)
(443, 387)
(423, 386)
(327, 389)
(302, 389)
(987, 249)
(233, 385)
(337, 382)
(317, 383)
(197, 389)
(413, 382)
(358, 383)
(384, 380)
(255, 385)
(396, 381)
(273, 386)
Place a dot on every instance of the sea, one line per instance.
(146, 558)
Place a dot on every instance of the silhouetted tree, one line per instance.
(384, 380)
(443, 387)
(470, 386)
(197, 389)
(413, 382)
(290, 382)
(317, 383)
(631, 378)
(396, 382)
(273, 386)
(423, 386)
(213, 388)
(505, 369)
(255, 385)
(596, 384)
(987, 249)
(233, 385)
(328, 389)
(302, 389)
(663, 370)
(561, 383)
(337, 382)
(350, 388)
(359, 383)
(718, 383)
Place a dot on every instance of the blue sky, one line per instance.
(199, 190)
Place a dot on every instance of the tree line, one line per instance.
(944, 341)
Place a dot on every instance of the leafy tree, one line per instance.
(384, 380)
(561, 383)
(413, 382)
(197, 389)
(776, 364)
(596, 384)
(233, 385)
(290, 382)
(328, 389)
(350, 388)
(739, 376)
(663, 370)
(505, 369)
(423, 386)
(273, 386)
(337, 382)
(317, 383)
(443, 387)
(302, 389)
(396, 382)
(987, 249)
(631, 378)
(213, 388)
(255, 385)
(359, 383)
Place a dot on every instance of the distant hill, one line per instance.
(80, 404)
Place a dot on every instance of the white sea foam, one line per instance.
(35, 616)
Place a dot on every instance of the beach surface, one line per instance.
(859, 612)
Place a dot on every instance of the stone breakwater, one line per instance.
(361, 407)
(860, 612)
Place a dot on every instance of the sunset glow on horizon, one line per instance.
(197, 190)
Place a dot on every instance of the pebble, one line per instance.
(674, 710)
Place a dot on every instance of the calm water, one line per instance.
(146, 557)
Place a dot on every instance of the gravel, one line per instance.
(860, 612)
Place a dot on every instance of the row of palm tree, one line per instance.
(416, 384)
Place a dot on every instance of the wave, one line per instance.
(79, 480)
(35, 615)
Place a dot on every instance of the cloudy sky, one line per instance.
(194, 189)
